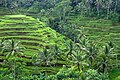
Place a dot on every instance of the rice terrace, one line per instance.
(59, 40)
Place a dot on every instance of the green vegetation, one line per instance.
(59, 40)
(33, 38)
(115, 74)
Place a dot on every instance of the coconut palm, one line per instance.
(103, 63)
(1, 45)
(83, 44)
(70, 48)
(12, 48)
(45, 56)
(91, 54)
(108, 49)
(90, 50)
(105, 57)
(79, 60)
(56, 53)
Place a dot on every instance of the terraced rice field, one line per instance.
(33, 35)
(98, 30)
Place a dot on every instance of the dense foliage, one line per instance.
(57, 11)
(99, 8)
(85, 52)
(87, 61)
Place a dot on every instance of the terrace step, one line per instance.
(31, 44)
(13, 33)
(21, 38)
(36, 48)
(10, 28)
(20, 33)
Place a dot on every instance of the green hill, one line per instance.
(33, 35)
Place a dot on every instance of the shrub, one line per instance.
(72, 74)
(92, 74)
(114, 19)
(65, 74)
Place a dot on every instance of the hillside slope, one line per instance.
(33, 36)
(98, 30)
(32, 33)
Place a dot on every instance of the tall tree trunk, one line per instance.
(103, 68)
(89, 7)
(5, 3)
(91, 61)
(108, 12)
(116, 2)
(14, 69)
(108, 7)
(78, 67)
(98, 8)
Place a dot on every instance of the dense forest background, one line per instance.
(92, 8)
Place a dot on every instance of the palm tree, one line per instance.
(71, 48)
(45, 56)
(108, 49)
(105, 57)
(83, 44)
(1, 45)
(79, 60)
(12, 47)
(91, 54)
(13, 50)
(103, 63)
(56, 53)
(89, 49)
